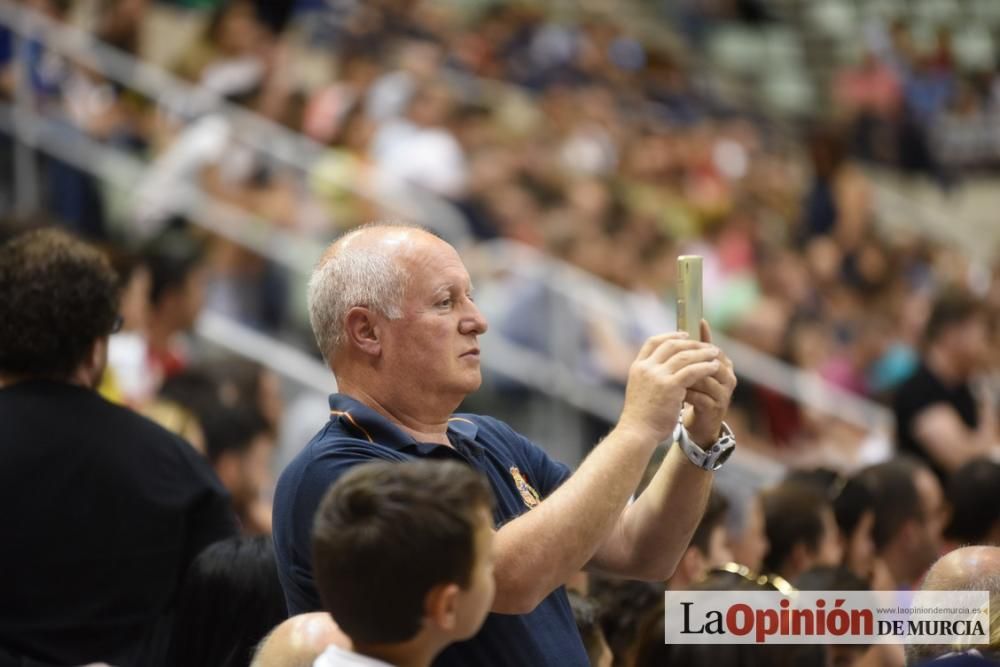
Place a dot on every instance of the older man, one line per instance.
(967, 569)
(393, 314)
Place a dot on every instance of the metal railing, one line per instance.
(298, 253)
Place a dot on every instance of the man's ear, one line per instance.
(93, 367)
(801, 558)
(362, 331)
(441, 607)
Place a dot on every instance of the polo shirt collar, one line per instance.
(366, 423)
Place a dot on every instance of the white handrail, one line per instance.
(808, 388)
(263, 135)
(280, 357)
(506, 358)
(300, 254)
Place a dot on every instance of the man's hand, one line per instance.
(708, 399)
(667, 367)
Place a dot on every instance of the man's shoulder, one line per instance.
(490, 427)
(331, 452)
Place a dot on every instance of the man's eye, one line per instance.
(445, 302)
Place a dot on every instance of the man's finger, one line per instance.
(711, 387)
(691, 373)
(701, 401)
(671, 348)
(706, 332)
(654, 342)
(688, 357)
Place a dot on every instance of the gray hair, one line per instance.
(360, 277)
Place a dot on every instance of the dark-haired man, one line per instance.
(709, 548)
(939, 418)
(403, 560)
(103, 510)
(176, 297)
(801, 530)
(909, 516)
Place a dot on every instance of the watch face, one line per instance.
(724, 455)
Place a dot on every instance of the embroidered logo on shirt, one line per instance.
(528, 493)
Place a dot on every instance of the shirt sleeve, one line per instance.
(546, 473)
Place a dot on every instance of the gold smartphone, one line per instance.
(689, 307)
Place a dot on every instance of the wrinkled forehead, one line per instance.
(431, 264)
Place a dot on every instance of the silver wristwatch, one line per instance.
(711, 458)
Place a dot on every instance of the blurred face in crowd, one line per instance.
(238, 30)
(859, 547)
(719, 552)
(135, 299)
(828, 551)
(247, 474)
(927, 544)
(434, 345)
(750, 547)
(970, 344)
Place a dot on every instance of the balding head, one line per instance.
(365, 267)
(968, 568)
(298, 641)
(965, 569)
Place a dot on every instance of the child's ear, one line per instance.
(441, 607)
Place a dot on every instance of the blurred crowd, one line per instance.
(574, 137)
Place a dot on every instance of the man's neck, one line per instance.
(408, 654)
(425, 423)
(80, 378)
(944, 368)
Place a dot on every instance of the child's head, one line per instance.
(402, 550)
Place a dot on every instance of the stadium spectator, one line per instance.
(854, 509)
(585, 613)
(652, 651)
(623, 604)
(299, 640)
(709, 548)
(973, 494)
(801, 530)
(404, 557)
(405, 354)
(975, 568)
(231, 598)
(909, 515)
(106, 499)
(240, 445)
(748, 539)
(176, 297)
(939, 417)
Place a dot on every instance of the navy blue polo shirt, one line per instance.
(521, 475)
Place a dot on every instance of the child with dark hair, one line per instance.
(403, 560)
(231, 598)
(587, 617)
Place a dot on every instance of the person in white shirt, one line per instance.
(403, 560)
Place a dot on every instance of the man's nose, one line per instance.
(474, 322)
